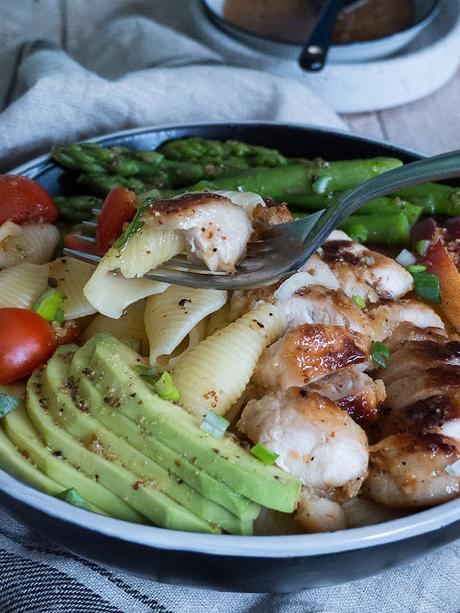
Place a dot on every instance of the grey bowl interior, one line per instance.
(253, 564)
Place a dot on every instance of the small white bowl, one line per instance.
(424, 12)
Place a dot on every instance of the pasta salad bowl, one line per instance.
(231, 562)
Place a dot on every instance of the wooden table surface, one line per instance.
(429, 125)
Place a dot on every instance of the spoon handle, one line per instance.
(314, 54)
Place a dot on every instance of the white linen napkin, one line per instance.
(134, 72)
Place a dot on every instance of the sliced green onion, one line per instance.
(134, 225)
(150, 373)
(215, 424)
(427, 286)
(358, 233)
(8, 403)
(166, 389)
(358, 301)
(49, 305)
(263, 454)
(406, 258)
(380, 354)
(421, 247)
(73, 497)
(416, 268)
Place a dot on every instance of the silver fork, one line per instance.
(286, 247)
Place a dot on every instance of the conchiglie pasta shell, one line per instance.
(146, 250)
(218, 320)
(71, 276)
(21, 285)
(213, 375)
(33, 243)
(129, 326)
(111, 293)
(172, 315)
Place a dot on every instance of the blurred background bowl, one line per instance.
(424, 11)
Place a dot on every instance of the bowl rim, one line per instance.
(229, 27)
(279, 546)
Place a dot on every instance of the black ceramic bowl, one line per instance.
(256, 563)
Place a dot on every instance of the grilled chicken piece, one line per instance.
(354, 392)
(307, 353)
(365, 273)
(272, 214)
(384, 319)
(216, 230)
(306, 305)
(409, 471)
(421, 385)
(316, 514)
(316, 441)
(433, 415)
(418, 356)
(407, 332)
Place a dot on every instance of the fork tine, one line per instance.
(82, 255)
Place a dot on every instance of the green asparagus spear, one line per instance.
(283, 182)
(76, 209)
(149, 166)
(436, 199)
(383, 230)
(93, 158)
(204, 150)
(378, 206)
(102, 183)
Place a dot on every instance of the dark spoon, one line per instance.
(314, 54)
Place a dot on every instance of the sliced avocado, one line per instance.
(13, 461)
(153, 504)
(54, 465)
(72, 416)
(198, 479)
(112, 370)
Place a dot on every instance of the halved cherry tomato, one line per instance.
(438, 260)
(25, 201)
(26, 342)
(119, 208)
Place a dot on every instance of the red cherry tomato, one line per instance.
(26, 342)
(119, 208)
(25, 201)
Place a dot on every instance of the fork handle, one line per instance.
(445, 166)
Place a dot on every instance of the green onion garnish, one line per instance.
(358, 233)
(166, 389)
(49, 305)
(73, 497)
(427, 286)
(8, 403)
(358, 301)
(380, 354)
(263, 454)
(215, 424)
(416, 268)
(150, 373)
(421, 247)
(134, 225)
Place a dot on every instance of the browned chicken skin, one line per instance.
(307, 353)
